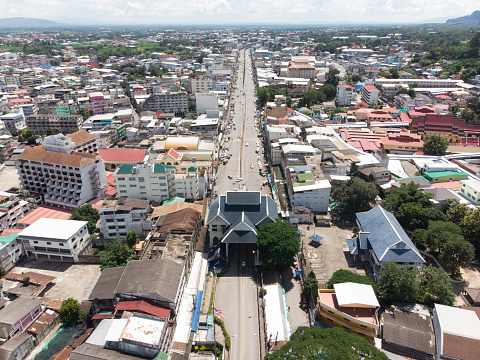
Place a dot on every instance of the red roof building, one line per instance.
(143, 306)
(44, 211)
(116, 157)
(445, 125)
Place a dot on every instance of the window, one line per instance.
(223, 227)
(141, 179)
(143, 192)
(214, 227)
(49, 243)
(35, 242)
(122, 186)
(121, 178)
(163, 184)
(131, 179)
(142, 187)
(61, 244)
(133, 185)
(123, 191)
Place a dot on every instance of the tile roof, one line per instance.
(81, 136)
(185, 220)
(144, 306)
(122, 155)
(45, 211)
(172, 153)
(107, 282)
(173, 207)
(40, 154)
(460, 347)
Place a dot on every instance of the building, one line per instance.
(352, 307)
(97, 101)
(200, 83)
(443, 176)
(67, 180)
(84, 141)
(451, 128)
(18, 347)
(11, 250)
(156, 182)
(17, 316)
(370, 94)
(56, 239)
(12, 209)
(457, 333)
(383, 240)
(205, 125)
(470, 190)
(14, 120)
(305, 190)
(41, 123)
(234, 218)
(205, 102)
(113, 158)
(345, 95)
(170, 102)
(421, 83)
(402, 143)
(120, 216)
(300, 68)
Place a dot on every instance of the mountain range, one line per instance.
(25, 22)
(472, 20)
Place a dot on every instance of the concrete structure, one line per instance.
(119, 216)
(84, 141)
(300, 68)
(40, 123)
(115, 157)
(205, 102)
(11, 250)
(14, 120)
(402, 143)
(421, 83)
(451, 128)
(12, 209)
(170, 102)
(18, 315)
(97, 101)
(200, 83)
(345, 95)
(56, 239)
(305, 190)
(370, 94)
(67, 180)
(470, 190)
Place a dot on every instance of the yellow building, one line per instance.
(352, 307)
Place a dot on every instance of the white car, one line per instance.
(251, 166)
(238, 180)
(246, 144)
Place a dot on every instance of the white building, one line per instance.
(11, 250)
(67, 180)
(14, 120)
(305, 190)
(470, 190)
(206, 101)
(370, 94)
(345, 95)
(155, 182)
(56, 239)
(12, 209)
(120, 216)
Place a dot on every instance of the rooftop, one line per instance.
(40, 154)
(81, 136)
(356, 295)
(122, 155)
(45, 211)
(53, 228)
(456, 321)
(329, 298)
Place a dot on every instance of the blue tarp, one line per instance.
(316, 238)
(196, 312)
(293, 220)
(298, 272)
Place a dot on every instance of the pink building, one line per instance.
(98, 102)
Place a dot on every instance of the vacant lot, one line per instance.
(9, 178)
(73, 280)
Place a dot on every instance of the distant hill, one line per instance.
(472, 20)
(24, 22)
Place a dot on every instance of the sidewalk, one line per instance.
(293, 289)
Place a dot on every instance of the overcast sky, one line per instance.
(239, 11)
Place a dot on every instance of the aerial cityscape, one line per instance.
(212, 185)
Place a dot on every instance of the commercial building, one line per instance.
(84, 141)
(115, 157)
(67, 180)
(402, 143)
(421, 83)
(41, 123)
(345, 95)
(56, 239)
(200, 83)
(451, 128)
(352, 307)
(370, 94)
(305, 190)
(170, 102)
(205, 102)
(301, 68)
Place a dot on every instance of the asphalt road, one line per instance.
(236, 294)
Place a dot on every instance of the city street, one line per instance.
(236, 292)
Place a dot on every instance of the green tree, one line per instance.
(355, 195)
(85, 114)
(473, 103)
(435, 145)
(70, 312)
(332, 343)
(329, 90)
(456, 212)
(132, 238)
(419, 238)
(471, 228)
(394, 73)
(467, 115)
(412, 216)
(342, 276)
(310, 287)
(278, 243)
(457, 253)
(26, 280)
(52, 132)
(116, 254)
(440, 232)
(398, 283)
(407, 193)
(435, 287)
(356, 79)
(87, 213)
(331, 77)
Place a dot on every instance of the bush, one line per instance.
(342, 276)
(26, 280)
(220, 322)
(262, 292)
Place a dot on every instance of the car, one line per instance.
(238, 180)
(246, 144)
(244, 264)
(251, 166)
(230, 177)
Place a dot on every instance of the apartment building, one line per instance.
(11, 210)
(63, 179)
(40, 123)
(119, 216)
(470, 190)
(56, 239)
(97, 101)
(200, 83)
(305, 190)
(14, 120)
(345, 95)
(11, 250)
(170, 102)
(79, 141)
(300, 68)
(370, 94)
(155, 182)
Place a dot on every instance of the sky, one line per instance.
(239, 11)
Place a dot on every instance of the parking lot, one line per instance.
(73, 280)
(9, 178)
(331, 255)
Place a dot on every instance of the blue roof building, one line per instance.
(381, 240)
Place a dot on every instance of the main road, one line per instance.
(236, 293)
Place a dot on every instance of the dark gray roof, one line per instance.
(387, 238)
(243, 198)
(409, 330)
(17, 309)
(160, 277)
(12, 344)
(419, 180)
(440, 194)
(93, 352)
(106, 283)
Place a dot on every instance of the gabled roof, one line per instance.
(172, 153)
(351, 294)
(144, 306)
(387, 238)
(122, 155)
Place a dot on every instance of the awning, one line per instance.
(316, 238)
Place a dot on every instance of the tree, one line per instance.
(329, 90)
(398, 283)
(278, 243)
(435, 145)
(342, 276)
(467, 115)
(87, 213)
(454, 211)
(407, 193)
(419, 238)
(471, 228)
(132, 238)
(70, 312)
(394, 73)
(116, 254)
(332, 343)
(435, 287)
(439, 233)
(356, 78)
(52, 132)
(355, 195)
(331, 77)
(310, 287)
(85, 114)
(26, 280)
(457, 253)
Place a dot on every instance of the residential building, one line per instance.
(171, 102)
(11, 250)
(457, 333)
(18, 347)
(12, 209)
(470, 190)
(200, 83)
(40, 123)
(377, 174)
(277, 108)
(204, 125)
(352, 307)
(115, 157)
(402, 143)
(97, 101)
(304, 189)
(443, 176)
(383, 240)
(56, 239)
(17, 316)
(345, 95)
(14, 120)
(370, 94)
(234, 218)
(155, 182)
(120, 216)
(67, 180)
(84, 141)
